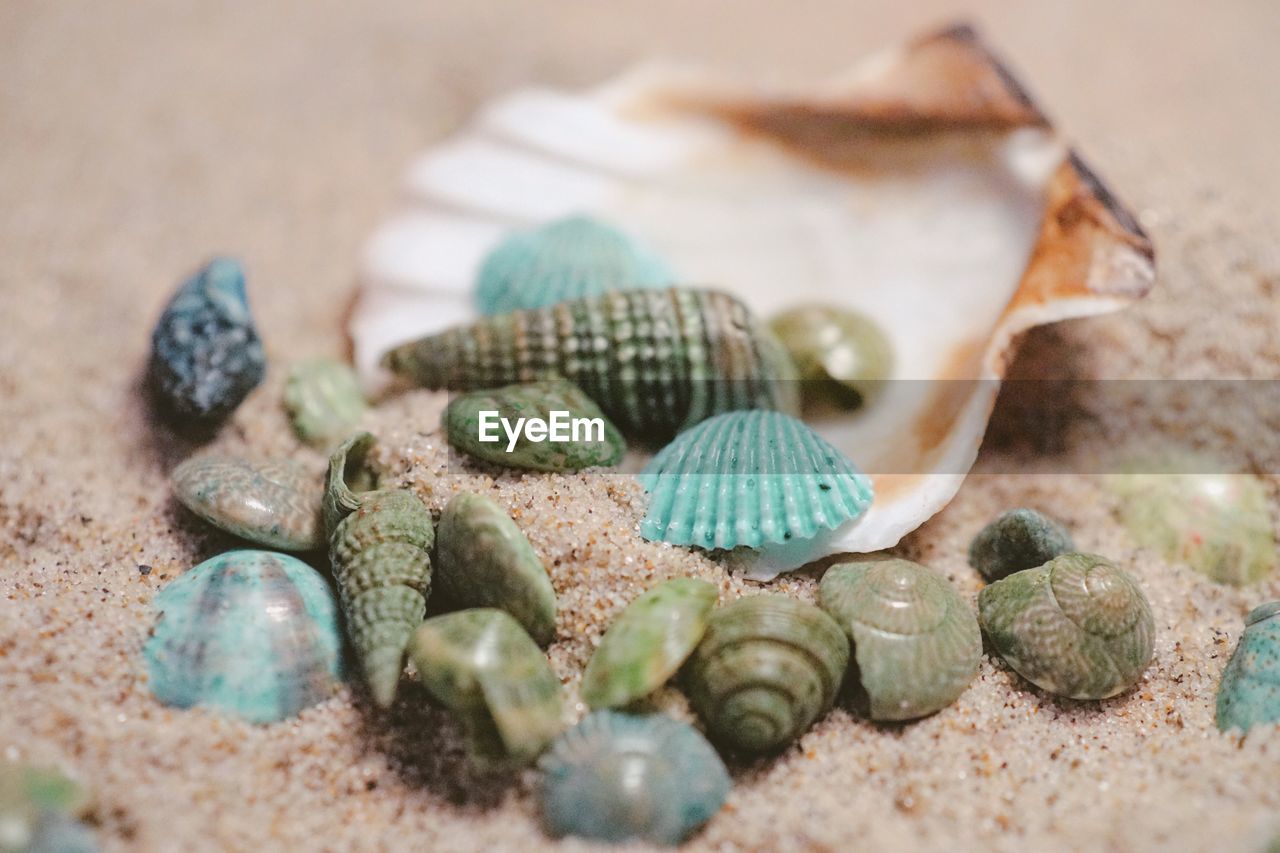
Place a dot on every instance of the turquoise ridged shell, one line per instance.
(749, 478)
(566, 259)
(1249, 694)
(251, 633)
(616, 777)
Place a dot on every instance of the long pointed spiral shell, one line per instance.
(1249, 694)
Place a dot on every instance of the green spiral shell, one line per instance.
(842, 356)
(275, 503)
(1016, 540)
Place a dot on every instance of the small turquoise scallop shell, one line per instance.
(747, 479)
(566, 259)
(616, 777)
(251, 633)
(1249, 694)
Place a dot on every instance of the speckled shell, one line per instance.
(483, 666)
(276, 503)
(616, 777)
(483, 560)
(766, 669)
(648, 642)
(655, 360)
(533, 400)
(380, 547)
(842, 356)
(1249, 694)
(205, 353)
(748, 479)
(324, 402)
(1076, 626)
(566, 259)
(250, 633)
(1016, 540)
(916, 642)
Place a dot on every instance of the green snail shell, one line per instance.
(843, 358)
(1018, 539)
(1077, 626)
(1249, 694)
(766, 669)
(916, 643)
(323, 399)
(276, 504)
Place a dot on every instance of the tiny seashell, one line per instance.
(1249, 694)
(205, 353)
(323, 399)
(251, 633)
(586, 449)
(617, 777)
(380, 547)
(749, 479)
(766, 669)
(1016, 540)
(916, 642)
(566, 259)
(656, 361)
(843, 358)
(484, 560)
(648, 642)
(1077, 626)
(38, 811)
(275, 503)
(57, 833)
(483, 666)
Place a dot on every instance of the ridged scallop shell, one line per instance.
(916, 642)
(483, 666)
(749, 479)
(655, 361)
(1249, 694)
(324, 401)
(646, 645)
(250, 633)
(484, 560)
(617, 777)
(842, 357)
(766, 669)
(275, 503)
(380, 545)
(205, 353)
(1076, 626)
(1016, 540)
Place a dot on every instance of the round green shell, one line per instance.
(842, 356)
(1016, 540)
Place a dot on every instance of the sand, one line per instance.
(140, 138)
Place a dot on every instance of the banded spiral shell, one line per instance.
(655, 361)
(766, 669)
(1076, 626)
(749, 479)
(483, 666)
(380, 546)
(276, 503)
(484, 560)
(1016, 540)
(324, 402)
(916, 643)
(843, 358)
(251, 633)
(1249, 694)
(616, 777)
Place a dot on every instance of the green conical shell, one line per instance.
(1249, 694)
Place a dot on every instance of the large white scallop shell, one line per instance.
(924, 189)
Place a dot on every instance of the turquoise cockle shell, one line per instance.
(1249, 694)
(251, 633)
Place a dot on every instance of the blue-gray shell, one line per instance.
(1249, 694)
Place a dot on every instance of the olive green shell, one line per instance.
(1016, 540)
(484, 668)
(656, 361)
(380, 547)
(648, 642)
(843, 358)
(483, 560)
(276, 504)
(766, 669)
(916, 642)
(1249, 694)
(1076, 626)
(323, 399)
(534, 400)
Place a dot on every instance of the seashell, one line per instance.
(276, 503)
(766, 669)
(251, 633)
(1076, 626)
(916, 642)
(749, 479)
(648, 642)
(842, 357)
(38, 811)
(1249, 694)
(922, 189)
(324, 401)
(590, 448)
(566, 259)
(205, 353)
(618, 777)
(1016, 540)
(483, 560)
(655, 361)
(483, 666)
